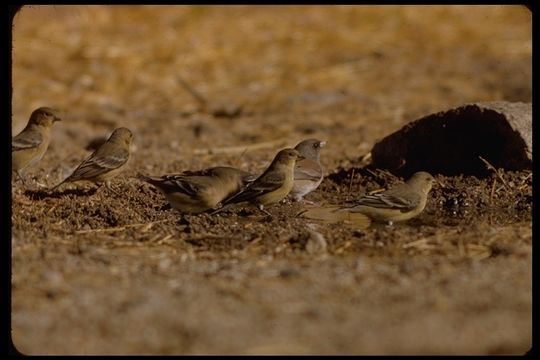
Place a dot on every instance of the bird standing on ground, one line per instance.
(400, 203)
(106, 162)
(29, 146)
(272, 186)
(308, 172)
(198, 191)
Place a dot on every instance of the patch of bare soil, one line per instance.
(95, 272)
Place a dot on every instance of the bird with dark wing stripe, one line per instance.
(197, 191)
(29, 146)
(106, 162)
(270, 187)
(402, 202)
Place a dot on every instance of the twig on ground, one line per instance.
(491, 167)
(350, 182)
(120, 228)
(372, 173)
(415, 243)
(492, 190)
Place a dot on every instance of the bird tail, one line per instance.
(334, 214)
(146, 178)
(60, 183)
(158, 183)
(221, 208)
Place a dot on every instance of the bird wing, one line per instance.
(390, 201)
(307, 169)
(181, 184)
(203, 172)
(266, 183)
(98, 164)
(26, 140)
(245, 176)
(249, 178)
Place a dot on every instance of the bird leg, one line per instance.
(301, 199)
(20, 177)
(220, 208)
(261, 207)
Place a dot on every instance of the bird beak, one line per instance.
(322, 143)
(300, 157)
(56, 118)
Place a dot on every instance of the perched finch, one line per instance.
(106, 162)
(308, 172)
(29, 146)
(272, 186)
(400, 203)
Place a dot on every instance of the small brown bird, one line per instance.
(106, 162)
(308, 172)
(331, 214)
(272, 186)
(29, 146)
(400, 203)
(199, 191)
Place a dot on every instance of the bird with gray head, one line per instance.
(308, 172)
(29, 146)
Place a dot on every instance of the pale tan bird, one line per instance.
(198, 191)
(334, 213)
(400, 203)
(29, 146)
(272, 186)
(106, 162)
(308, 172)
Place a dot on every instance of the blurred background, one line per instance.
(350, 74)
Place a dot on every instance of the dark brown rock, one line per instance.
(451, 142)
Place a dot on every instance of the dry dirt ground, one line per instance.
(101, 273)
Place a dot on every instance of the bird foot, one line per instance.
(266, 212)
(20, 177)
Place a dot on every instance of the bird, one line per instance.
(198, 191)
(272, 186)
(308, 172)
(106, 162)
(401, 203)
(29, 146)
